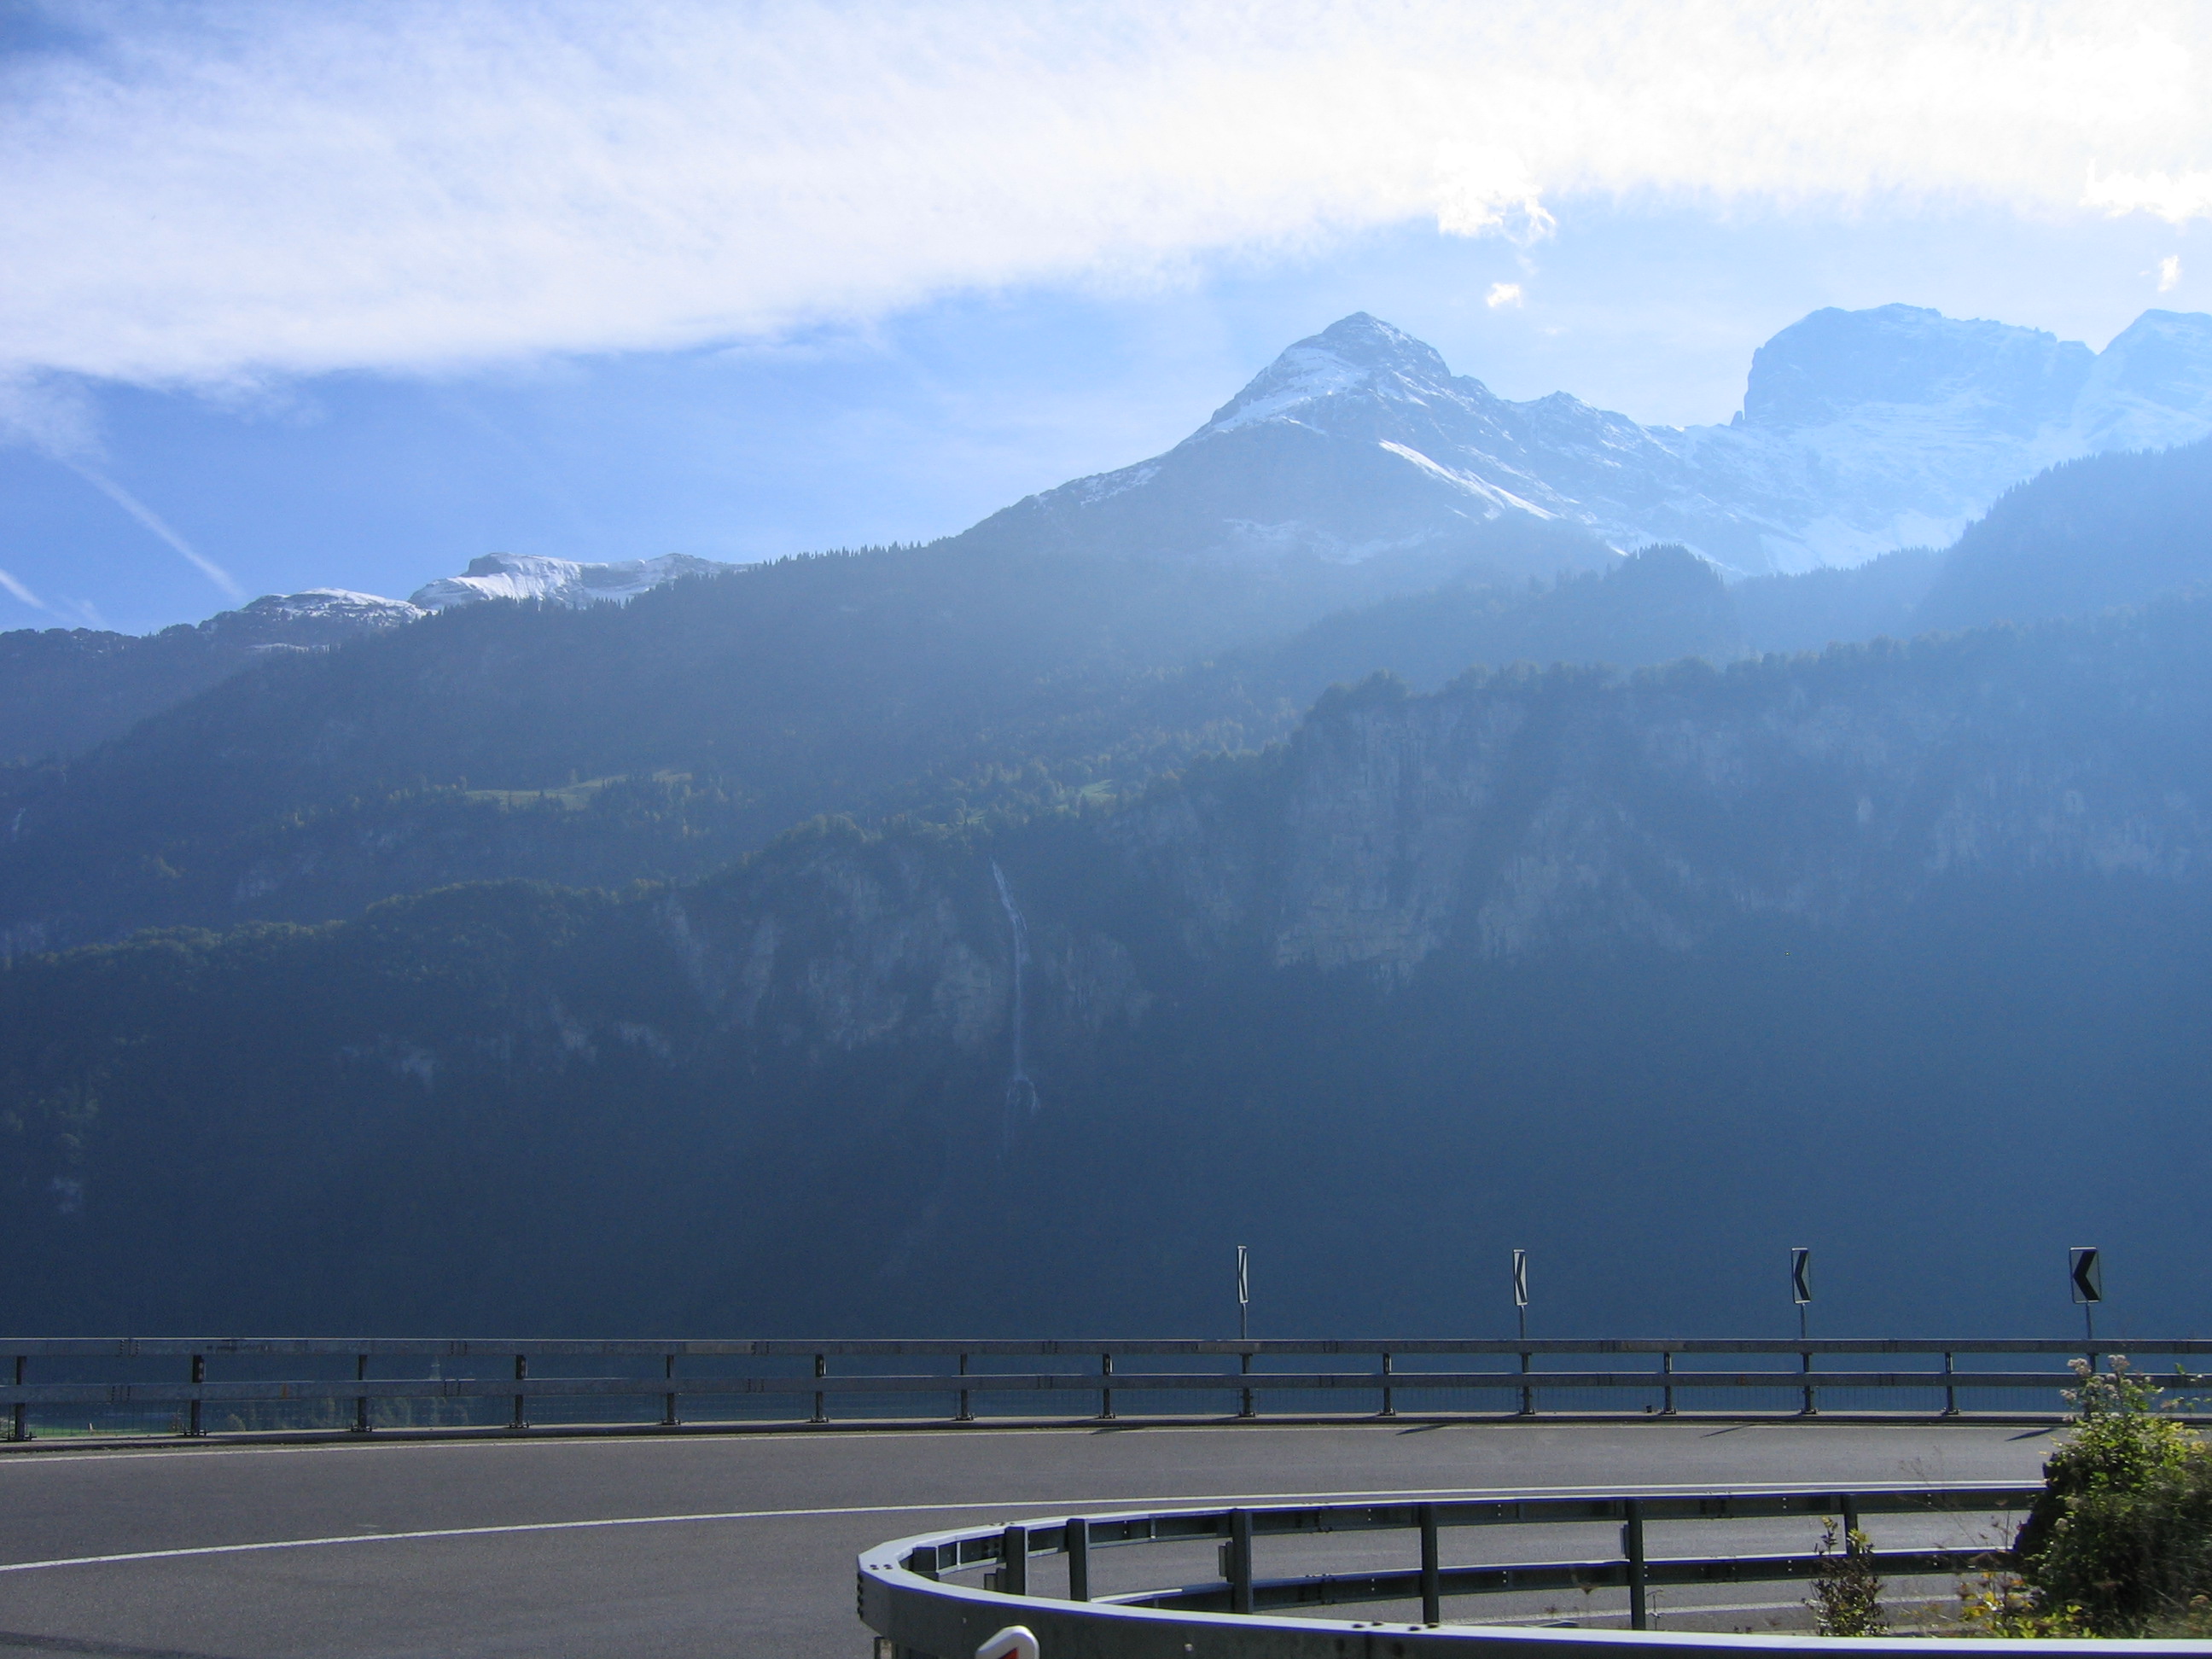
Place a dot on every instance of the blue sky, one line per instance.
(343, 297)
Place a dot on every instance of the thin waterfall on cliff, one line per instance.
(1021, 1093)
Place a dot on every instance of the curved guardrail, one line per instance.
(358, 1385)
(910, 1590)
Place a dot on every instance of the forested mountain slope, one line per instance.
(1896, 951)
(661, 739)
(2105, 531)
(658, 737)
(65, 689)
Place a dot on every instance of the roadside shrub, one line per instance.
(1846, 1598)
(2119, 1542)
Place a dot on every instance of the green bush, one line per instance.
(1846, 1599)
(2119, 1542)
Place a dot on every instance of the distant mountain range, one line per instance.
(662, 738)
(309, 754)
(1861, 432)
(724, 958)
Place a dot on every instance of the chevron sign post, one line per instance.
(1243, 1294)
(1800, 1282)
(2085, 1277)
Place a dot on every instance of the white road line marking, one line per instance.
(463, 1532)
(1066, 1506)
(797, 1435)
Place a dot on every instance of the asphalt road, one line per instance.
(737, 1547)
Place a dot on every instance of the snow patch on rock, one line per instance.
(332, 604)
(558, 581)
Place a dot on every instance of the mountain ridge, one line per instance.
(559, 581)
(1861, 431)
(658, 740)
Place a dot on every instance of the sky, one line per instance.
(348, 294)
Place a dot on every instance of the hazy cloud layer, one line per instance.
(215, 191)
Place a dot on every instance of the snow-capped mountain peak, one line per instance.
(1361, 354)
(298, 621)
(2151, 387)
(1861, 432)
(337, 605)
(558, 581)
(1835, 364)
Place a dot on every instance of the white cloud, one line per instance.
(1502, 294)
(22, 593)
(2169, 273)
(1481, 190)
(57, 417)
(146, 516)
(153, 521)
(2176, 200)
(219, 191)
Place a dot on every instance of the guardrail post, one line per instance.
(1632, 1546)
(1106, 1394)
(1389, 1394)
(361, 1425)
(1950, 1389)
(1240, 1560)
(1432, 1601)
(821, 1397)
(20, 1429)
(1076, 1541)
(964, 1414)
(1244, 1369)
(1528, 1394)
(192, 1430)
(669, 1419)
(1667, 1369)
(1812, 1393)
(1181, 1611)
(521, 1403)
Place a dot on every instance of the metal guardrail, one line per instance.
(905, 1595)
(811, 1375)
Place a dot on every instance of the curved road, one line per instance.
(738, 1546)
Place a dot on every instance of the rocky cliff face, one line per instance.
(1524, 812)
(836, 942)
(1508, 816)
(841, 941)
